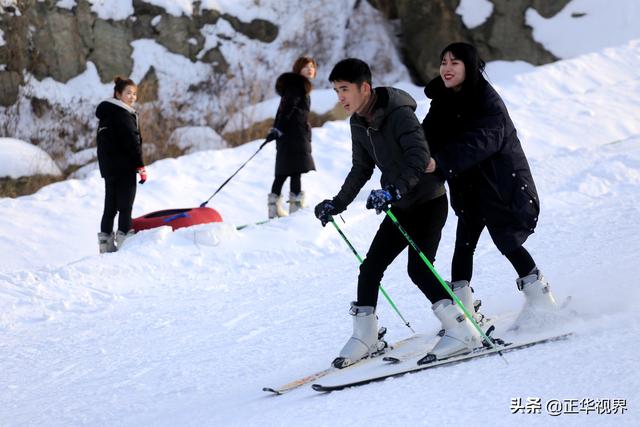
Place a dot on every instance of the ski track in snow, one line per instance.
(113, 337)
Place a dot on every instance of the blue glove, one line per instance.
(381, 199)
(274, 133)
(325, 210)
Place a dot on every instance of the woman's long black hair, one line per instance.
(473, 64)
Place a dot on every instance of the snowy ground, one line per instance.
(19, 158)
(185, 328)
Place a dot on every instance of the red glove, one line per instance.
(143, 175)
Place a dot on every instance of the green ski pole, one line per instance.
(442, 282)
(380, 285)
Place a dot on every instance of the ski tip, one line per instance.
(327, 389)
(561, 337)
(271, 390)
(317, 387)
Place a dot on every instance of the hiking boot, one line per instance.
(275, 204)
(121, 236)
(296, 201)
(106, 243)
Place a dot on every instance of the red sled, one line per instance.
(176, 218)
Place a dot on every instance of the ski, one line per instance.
(410, 366)
(488, 326)
(243, 226)
(297, 383)
(405, 349)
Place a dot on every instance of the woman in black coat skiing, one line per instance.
(119, 159)
(475, 146)
(292, 132)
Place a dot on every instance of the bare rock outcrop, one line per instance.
(426, 27)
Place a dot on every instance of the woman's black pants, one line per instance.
(119, 194)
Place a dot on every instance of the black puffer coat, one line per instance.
(395, 143)
(293, 154)
(477, 149)
(119, 141)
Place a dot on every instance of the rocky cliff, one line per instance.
(199, 65)
(425, 27)
(196, 65)
(46, 40)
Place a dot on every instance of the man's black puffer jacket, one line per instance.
(394, 142)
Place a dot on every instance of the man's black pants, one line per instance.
(424, 223)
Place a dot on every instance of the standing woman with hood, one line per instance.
(476, 148)
(292, 132)
(119, 158)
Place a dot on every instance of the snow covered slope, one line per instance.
(19, 158)
(185, 328)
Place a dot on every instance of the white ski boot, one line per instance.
(539, 301)
(296, 201)
(460, 336)
(365, 341)
(106, 243)
(276, 206)
(464, 292)
(121, 237)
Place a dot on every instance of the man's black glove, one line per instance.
(381, 199)
(325, 210)
(274, 133)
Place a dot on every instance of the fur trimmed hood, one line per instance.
(116, 101)
(108, 107)
(292, 81)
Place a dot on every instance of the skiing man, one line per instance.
(475, 146)
(386, 133)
